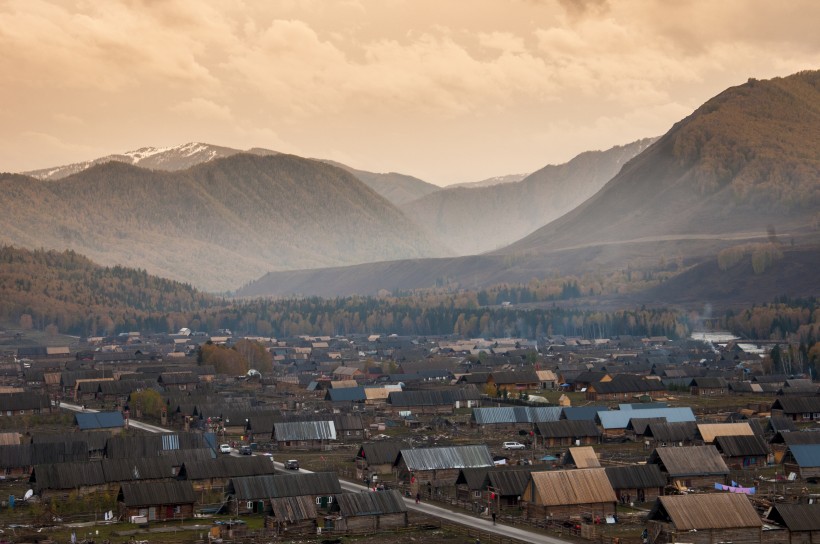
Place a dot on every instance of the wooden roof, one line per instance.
(635, 477)
(568, 487)
(293, 509)
(797, 517)
(157, 493)
(583, 457)
(708, 431)
(710, 511)
(689, 461)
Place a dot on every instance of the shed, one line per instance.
(692, 466)
(429, 469)
(801, 520)
(292, 515)
(369, 511)
(636, 483)
(581, 457)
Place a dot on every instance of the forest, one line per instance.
(65, 292)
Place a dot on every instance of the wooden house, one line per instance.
(367, 511)
(564, 494)
(493, 487)
(743, 452)
(49, 480)
(566, 433)
(208, 474)
(683, 433)
(797, 408)
(512, 419)
(304, 435)
(157, 501)
(292, 516)
(802, 521)
(23, 403)
(710, 431)
(431, 470)
(781, 441)
(708, 386)
(625, 387)
(514, 380)
(376, 458)
(803, 459)
(692, 466)
(636, 483)
(704, 519)
(250, 494)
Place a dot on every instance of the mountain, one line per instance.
(216, 225)
(742, 167)
(475, 220)
(155, 158)
(397, 188)
(489, 182)
(744, 163)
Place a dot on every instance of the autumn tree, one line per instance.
(148, 402)
(255, 353)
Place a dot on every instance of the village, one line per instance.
(628, 439)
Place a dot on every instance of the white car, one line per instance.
(225, 448)
(514, 446)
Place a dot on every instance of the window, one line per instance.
(477, 494)
(249, 504)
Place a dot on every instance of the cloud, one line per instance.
(201, 108)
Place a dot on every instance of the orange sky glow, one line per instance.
(448, 91)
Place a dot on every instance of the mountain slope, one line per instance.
(746, 161)
(218, 224)
(474, 220)
(397, 188)
(155, 158)
(489, 182)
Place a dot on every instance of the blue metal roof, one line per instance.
(806, 455)
(99, 420)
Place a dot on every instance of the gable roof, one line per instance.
(583, 457)
(689, 461)
(380, 453)
(806, 455)
(226, 467)
(447, 457)
(709, 431)
(576, 413)
(565, 428)
(287, 485)
(67, 475)
(99, 420)
(797, 517)
(709, 511)
(293, 509)
(619, 419)
(797, 405)
(672, 432)
(305, 430)
(369, 504)
(567, 487)
(515, 414)
(742, 446)
(635, 477)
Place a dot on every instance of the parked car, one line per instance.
(292, 464)
(514, 446)
(245, 450)
(225, 448)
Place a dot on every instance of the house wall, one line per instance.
(159, 512)
(568, 441)
(567, 511)
(286, 445)
(698, 481)
(666, 533)
(289, 530)
(745, 462)
(634, 494)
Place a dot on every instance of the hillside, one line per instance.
(216, 225)
(473, 220)
(489, 182)
(747, 161)
(69, 291)
(741, 167)
(397, 188)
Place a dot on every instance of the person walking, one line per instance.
(418, 498)
(494, 518)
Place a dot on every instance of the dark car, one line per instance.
(245, 450)
(292, 464)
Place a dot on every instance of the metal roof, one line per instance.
(806, 455)
(287, 485)
(447, 457)
(565, 428)
(576, 413)
(226, 467)
(516, 414)
(619, 419)
(99, 420)
(304, 430)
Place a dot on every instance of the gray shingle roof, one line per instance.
(447, 457)
(157, 493)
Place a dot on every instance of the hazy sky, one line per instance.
(449, 91)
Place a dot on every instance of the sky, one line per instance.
(448, 91)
